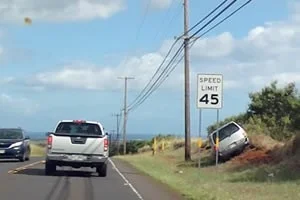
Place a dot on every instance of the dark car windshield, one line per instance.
(11, 134)
(226, 132)
(78, 128)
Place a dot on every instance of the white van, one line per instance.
(232, 139)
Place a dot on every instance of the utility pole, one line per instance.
(118, 132)
(187, 84)
(126, 78)
(111, 136)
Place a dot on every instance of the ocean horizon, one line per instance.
(130, 136)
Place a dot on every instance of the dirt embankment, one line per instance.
(264, 150)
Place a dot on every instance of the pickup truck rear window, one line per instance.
(226, 132)
(78, 128)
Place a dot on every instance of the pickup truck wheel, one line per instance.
(49, 168)
(102, 170)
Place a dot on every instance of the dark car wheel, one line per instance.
(28, 155)
(22, 158)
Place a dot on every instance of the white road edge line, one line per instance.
(131, 186)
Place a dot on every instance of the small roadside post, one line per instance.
(210, 96)
(154, 146)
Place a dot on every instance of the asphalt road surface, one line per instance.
(27, 181)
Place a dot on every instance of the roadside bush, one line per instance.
(178, 144)
(146, 148)
(272, 111)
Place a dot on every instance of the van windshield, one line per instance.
(11, 134)
(78, 128)
(225, 132)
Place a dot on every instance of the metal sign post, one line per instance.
(200, 139)
(217, 138)
(210, 96)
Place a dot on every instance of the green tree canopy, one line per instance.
(278, 108)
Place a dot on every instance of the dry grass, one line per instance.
(37, 150)
(263, 142)
(252, 175)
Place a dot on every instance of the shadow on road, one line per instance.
(8, 161)
(69, 173)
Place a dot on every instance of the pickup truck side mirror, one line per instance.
(106, 133)
(27, 138)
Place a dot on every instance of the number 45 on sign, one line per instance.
(210, 91)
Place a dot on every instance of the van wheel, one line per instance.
(49, 168)
(102, 170)
(22, 158)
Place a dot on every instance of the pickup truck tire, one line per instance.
(49, 168)
(102, 170)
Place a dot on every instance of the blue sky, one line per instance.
(65, 65)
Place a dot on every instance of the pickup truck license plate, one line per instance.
(76, 157)
(2, 151)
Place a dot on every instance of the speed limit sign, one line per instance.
(210, 91)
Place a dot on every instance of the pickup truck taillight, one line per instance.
(49, 142)
(105, 144)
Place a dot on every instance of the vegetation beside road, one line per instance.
(37, 148)
(269, 169)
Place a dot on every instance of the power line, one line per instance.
(172, 69)
(170, 50)
(170, 21)
(139, 28)
(149, 92)
(143, 19)
(156, 72)
(223, 10)
(208, 15)
(225, 18)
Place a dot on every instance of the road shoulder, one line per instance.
(148, 187)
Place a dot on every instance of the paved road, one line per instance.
(123, 182)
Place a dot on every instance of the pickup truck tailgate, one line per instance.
(74, 144)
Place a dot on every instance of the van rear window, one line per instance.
(226, 132)
(79, 128)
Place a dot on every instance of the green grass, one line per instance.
(211, 183)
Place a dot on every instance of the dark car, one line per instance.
(14, 144)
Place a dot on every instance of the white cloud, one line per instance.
(160, 4)
(282, 78)
(88, 76)
(58, 10)
(267, 52)
(19, 105)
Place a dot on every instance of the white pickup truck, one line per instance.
(77, 143)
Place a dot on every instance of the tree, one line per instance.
(276, 109)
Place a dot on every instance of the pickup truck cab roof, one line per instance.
(81, 121)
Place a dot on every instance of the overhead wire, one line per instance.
(143, 19)
(213, 27)
(140, 27)
(171, 48)
(149, 92)
(169, 23)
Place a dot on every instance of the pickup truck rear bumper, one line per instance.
(76, 160)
